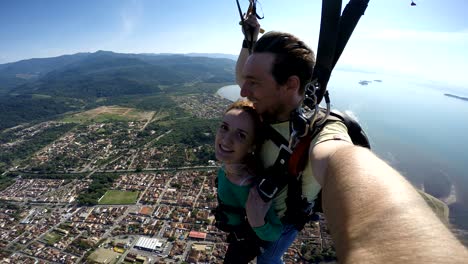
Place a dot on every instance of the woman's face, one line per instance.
(235, 137)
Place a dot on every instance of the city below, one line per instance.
(125, 191)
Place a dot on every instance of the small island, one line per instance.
(457, 97)
(378, 81)
(363, 82)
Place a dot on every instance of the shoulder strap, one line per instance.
(299, 156)
(355, 131)
(275, 177)
(290, 164)
(275, 136)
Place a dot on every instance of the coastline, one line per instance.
(456, 97)
(229, 92)
(413, 154)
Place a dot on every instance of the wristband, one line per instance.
(246, 44)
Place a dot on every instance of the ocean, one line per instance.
(413, 126)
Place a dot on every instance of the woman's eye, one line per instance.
(242, 136)
(223, 127)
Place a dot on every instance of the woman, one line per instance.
(237, 138)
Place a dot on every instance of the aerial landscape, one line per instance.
(109, 113)
(99, 175)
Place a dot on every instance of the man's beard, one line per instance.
(271, 117)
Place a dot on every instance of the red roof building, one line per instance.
(195, 234)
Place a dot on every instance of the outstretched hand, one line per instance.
(256, 209)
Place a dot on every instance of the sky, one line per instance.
(427, 41)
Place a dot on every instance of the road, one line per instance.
(108, 232)
(124, 255)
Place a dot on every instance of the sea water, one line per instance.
(411, 124)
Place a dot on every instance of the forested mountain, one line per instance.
(38, 88)
(16, 73)
(103, 74)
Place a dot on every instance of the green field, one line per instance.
(119, 197)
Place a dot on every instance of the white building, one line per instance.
(149, 244)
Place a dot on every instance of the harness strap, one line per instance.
(357, 134)
(275, 177)
(222, 218)
(237, 233)
(335, 31)
(288, 164)
(231, 209)
(298, 159)
(275, 136)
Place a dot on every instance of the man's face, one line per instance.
(260, 86)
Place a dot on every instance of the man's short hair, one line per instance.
(292, 57)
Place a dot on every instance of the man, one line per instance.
(373, 213)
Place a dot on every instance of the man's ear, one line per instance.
(293, 83)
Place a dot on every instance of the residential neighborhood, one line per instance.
(173, 207)
(135, 190)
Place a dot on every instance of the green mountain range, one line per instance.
(41, 88)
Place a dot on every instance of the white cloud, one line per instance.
(130, 17)
(128, 24)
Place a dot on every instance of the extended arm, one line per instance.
(243, 55)
(374, 214)
(251, 24)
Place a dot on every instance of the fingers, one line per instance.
(256, 208)
(251, 27)
(252, 200)
(252, 22)
(253, 194)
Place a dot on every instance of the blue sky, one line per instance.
(427, 41)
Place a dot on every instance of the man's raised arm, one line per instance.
(243, 55)
(374, 214)
(250, 24)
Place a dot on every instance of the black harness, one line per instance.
(289, 165)
(287, 171)
(237, 232)
(335, 31)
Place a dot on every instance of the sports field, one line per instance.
(119, 197)
(106, 256)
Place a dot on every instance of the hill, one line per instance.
(41, 88)
(24, 71)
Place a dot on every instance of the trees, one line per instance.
(101, 183)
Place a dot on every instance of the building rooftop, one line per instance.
(149, 243)
(195, 234)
